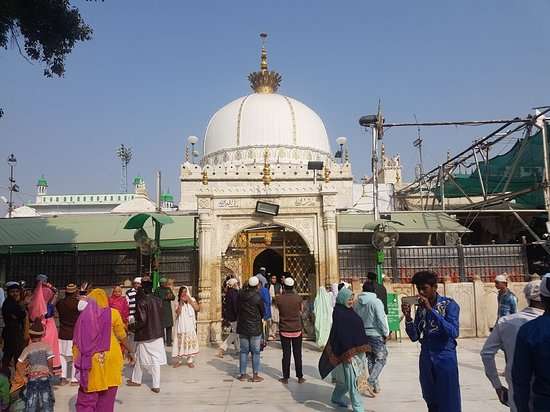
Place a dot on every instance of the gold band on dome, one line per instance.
(264, 81)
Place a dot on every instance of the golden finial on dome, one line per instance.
(205, 177)
(264, 81)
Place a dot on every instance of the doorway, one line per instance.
(270, 260)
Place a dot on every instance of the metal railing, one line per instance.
(458, 263)
(101, 268)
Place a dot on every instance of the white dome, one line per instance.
(263, 120)
(23, 211)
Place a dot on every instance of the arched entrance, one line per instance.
(278, 249)
(271, 260)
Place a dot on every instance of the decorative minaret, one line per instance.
(167, 201)
(139, 187)
(41, 188)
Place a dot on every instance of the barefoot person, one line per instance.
(187, 342)
(371, 310)
(249, 328)
(98, 338)
(230, 311)
(290, 306)
(67, 309)
(436, 327)
(150, 353)
(42, 306)
(344, 353)
(35, 365)
(13, 333)
(531, 369)
(503, 337)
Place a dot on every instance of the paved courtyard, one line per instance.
(212, 386)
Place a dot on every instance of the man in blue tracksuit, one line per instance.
(435, 326)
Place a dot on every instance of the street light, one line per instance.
(12, 161)
(341, 141)
(192, 140)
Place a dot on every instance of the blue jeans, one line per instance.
(249, 344)
(376, 360)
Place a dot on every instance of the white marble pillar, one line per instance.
(331, 240)
(205, 283)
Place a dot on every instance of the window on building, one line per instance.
(118, 198)
(57, 199)
(65, 199)
(111, 197)
(78, 198)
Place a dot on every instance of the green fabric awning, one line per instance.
(137, 221)
(407, 222)
(86, 232)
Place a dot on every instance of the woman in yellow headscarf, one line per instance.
(98, 336)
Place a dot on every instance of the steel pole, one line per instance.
(159, 207)
(10, 204)
(375, 173)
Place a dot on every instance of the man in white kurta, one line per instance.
(503, 337)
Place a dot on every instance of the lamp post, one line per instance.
(341, 141)
(192, 140)
(12, 161)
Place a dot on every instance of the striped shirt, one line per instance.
(131, 298)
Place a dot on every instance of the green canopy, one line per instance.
(137, 221)
(87, 232)
(526, 156)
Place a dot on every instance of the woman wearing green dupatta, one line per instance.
(345, 352)
(322, 309)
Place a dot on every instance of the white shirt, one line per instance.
(503, 337)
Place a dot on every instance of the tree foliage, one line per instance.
(49, 29)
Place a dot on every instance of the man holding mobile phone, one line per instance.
(436, 327)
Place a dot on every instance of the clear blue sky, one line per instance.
(155, 72)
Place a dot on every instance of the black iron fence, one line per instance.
(458, 263)
(101, 268)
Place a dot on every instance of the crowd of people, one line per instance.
(81, 337)
(88, 344)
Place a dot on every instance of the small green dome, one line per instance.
(138, 180)
(42, 182)
(167, 197)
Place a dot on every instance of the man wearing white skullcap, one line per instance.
(290, 306)
(531, 370)
(507, 301)
(503, 337)
(249, 327)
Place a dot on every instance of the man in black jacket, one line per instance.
(379, 289)
(230, 311)
(249, 327)
(149, 334)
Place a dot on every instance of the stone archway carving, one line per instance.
(305, 227)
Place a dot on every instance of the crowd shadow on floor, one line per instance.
(310, 394)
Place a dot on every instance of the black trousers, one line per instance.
(168, 336)
(12, 351)
(294, 345)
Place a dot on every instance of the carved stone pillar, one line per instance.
(215, 300)
(205, 282)
(331, 240)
